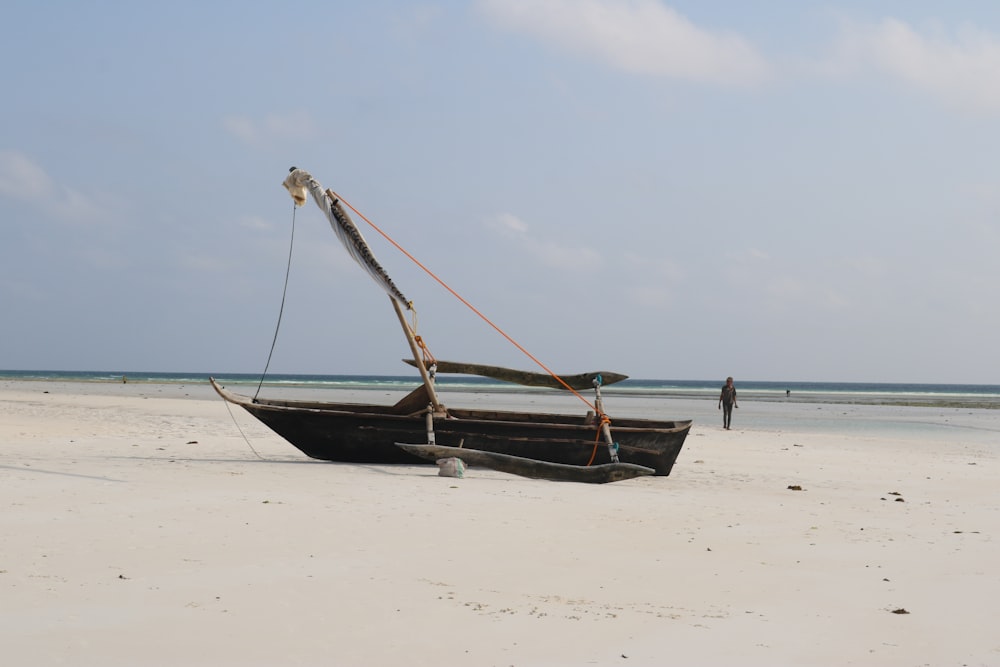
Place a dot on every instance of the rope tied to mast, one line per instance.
(466, 303)
(299, 183)
(281, 309)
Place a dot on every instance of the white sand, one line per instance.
(142, 530)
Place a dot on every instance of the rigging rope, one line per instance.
(468, 305)
(425, 352)
(240, 429)
(597, 439)
(281, 310)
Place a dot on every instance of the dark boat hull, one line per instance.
(355, 433)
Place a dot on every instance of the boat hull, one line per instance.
(356, 433)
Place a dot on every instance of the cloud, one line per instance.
(241, 127)
(75, 206)
(783, 288)
(566, 257)
(295, 125)
(22, 179)
(960, 68)
(649, 281)
(638, 36)
(549, 253)
(508, 223)
(255, 223)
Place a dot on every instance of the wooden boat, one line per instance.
(362, 433)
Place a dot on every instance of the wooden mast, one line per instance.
(298, 183)
(414, 348)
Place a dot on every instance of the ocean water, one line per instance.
(918, 413)
(856, 393)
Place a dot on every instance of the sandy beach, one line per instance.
(140, 527)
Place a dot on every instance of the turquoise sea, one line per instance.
(942, 395)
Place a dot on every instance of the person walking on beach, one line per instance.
(727, 401)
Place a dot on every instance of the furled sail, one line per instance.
(298, 183)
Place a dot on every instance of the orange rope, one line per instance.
(597, 439)
(469, 305)
(425, 351)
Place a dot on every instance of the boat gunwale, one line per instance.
(466, 415)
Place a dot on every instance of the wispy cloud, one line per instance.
(509, 224)
(255, 223)
(650, 281)
(295, 125)
(23, 179)
(639, 36)
(959, 67)
(549, 253)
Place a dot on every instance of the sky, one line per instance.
(778, 190)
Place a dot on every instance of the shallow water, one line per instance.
(853, 413)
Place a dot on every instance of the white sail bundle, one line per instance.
(298, 183)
